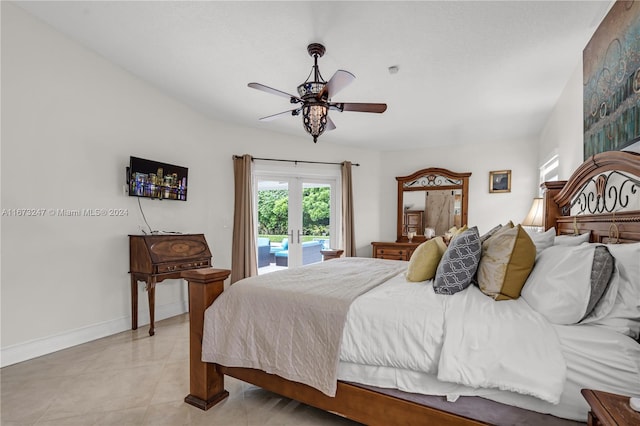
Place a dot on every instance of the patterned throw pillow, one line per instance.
(425, 260)
(459, 263)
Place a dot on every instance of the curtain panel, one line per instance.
(348, 238)
(243, 250)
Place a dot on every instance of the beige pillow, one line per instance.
(505, 228)
(507, 259)
(424, 260)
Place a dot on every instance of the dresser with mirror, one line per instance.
(432, 199)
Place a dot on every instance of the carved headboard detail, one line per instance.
(601, 197)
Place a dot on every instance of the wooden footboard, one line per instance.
(363, 405)
(206, 382)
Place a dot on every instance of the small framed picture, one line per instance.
(500, 181)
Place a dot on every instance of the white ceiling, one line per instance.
(468, 71)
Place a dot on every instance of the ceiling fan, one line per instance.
(314, 100)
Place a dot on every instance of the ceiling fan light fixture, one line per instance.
(314, 119)
(314, 99)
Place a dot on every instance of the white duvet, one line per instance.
(408, 326)
(402, 335)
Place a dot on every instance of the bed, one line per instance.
(599, 202)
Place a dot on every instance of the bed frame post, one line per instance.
(551, 208)
(206, 383)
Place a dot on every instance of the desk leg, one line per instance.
(134, 303)
(151, 289)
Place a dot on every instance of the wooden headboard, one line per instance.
(602, 197)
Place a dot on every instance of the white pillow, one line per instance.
(571, 240)
(542, 240)
(624, 316)
(559, 285)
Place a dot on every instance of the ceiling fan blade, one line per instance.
(330, 124)
(339, 81)
(359, 107)
(273, 91)
(280, 114)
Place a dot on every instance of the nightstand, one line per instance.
(608, 409)
(329, 254)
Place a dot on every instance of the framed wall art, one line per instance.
(611, 78)
(500, 181)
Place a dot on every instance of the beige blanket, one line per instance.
(290, 322)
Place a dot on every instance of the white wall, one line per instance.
(563, 133)
(70, 121)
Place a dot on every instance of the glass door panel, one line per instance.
(316, 220)
(273, 224)
(294, 220)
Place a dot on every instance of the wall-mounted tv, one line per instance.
(153, 179)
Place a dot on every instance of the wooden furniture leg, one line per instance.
(206, 383)
(151, 290)
(134, 302)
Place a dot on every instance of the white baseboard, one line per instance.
(34, 348)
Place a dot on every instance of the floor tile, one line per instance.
(132, 378)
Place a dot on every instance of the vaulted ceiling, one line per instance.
(467, 71)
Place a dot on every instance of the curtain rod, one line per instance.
(295, 161)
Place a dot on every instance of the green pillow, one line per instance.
(424, 260)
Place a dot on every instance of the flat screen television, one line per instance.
(153, 179)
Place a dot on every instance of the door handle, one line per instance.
(290, 235)
(299, 234)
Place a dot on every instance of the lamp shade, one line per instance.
(534, 218)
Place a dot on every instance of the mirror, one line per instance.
(431, 198)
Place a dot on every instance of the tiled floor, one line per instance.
(133, 379)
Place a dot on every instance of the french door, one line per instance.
(298, 216)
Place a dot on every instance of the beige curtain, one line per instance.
(348, 238)
(243, 251)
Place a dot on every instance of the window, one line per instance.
(550, 169)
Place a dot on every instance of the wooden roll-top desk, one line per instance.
(155, 258)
